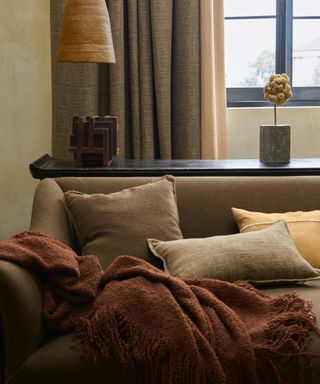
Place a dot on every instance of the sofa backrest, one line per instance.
(204, 203)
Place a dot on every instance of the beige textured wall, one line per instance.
(25, 105)
(243, 130)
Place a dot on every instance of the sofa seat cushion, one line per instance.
(58, 362)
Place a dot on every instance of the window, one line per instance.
(274, 36)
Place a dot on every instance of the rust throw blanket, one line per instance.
(201, 331)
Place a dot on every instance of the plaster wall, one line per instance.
(243, 130)
(25, 105)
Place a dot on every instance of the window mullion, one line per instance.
(284, 37)
(289, 44)
(280, 36)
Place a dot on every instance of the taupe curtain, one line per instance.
(154, 88)
(213, 91)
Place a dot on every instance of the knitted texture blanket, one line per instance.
(199, 331)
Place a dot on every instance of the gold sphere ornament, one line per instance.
(278, 90)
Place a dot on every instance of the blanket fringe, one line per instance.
(135, 347)
(286, 336)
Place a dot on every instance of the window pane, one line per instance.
(306, 8)
(249, 7)
(306, 53)
(249, 52)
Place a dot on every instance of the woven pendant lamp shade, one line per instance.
(86, 33)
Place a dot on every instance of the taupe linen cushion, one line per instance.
(120, 223)
(267, 256)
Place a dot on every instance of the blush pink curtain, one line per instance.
(213, 91)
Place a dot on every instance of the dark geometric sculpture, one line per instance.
(94, 140)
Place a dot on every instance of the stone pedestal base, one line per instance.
(275, 144)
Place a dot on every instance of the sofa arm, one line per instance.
(49, 214)
(20, 314)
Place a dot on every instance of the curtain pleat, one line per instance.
(213, 91)
(148, 124)
(116, 87)
(186, 80)
(134, 73)
(161, 25)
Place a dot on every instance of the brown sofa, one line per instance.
(34, 356)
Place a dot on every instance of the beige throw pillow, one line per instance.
(109, 225)
(267, 256)
(304, 228)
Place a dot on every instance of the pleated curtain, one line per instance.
(213, 90)
(155, 88)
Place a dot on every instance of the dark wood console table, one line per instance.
(47, 166)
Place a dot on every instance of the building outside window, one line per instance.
(274, 36)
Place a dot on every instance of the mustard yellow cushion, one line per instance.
(304, 228)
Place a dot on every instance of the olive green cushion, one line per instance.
(267, 256)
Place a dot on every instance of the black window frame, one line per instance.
(253, 96)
